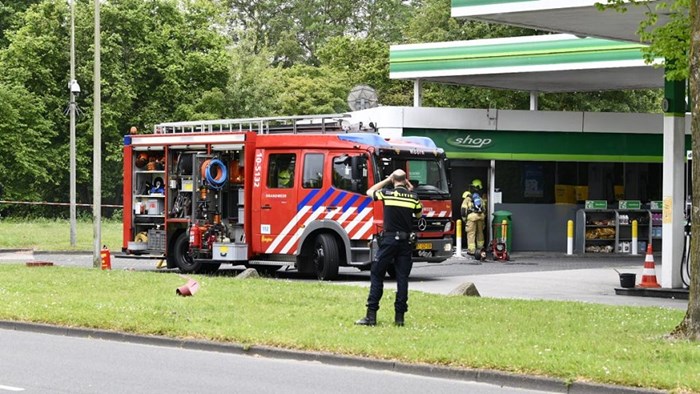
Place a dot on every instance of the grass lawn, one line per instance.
(54, 235)
(569, 340)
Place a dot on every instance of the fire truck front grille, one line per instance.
(427, 224)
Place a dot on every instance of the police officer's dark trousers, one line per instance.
(398, 252)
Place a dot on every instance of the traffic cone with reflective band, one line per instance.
(106, 258)
(649, 272)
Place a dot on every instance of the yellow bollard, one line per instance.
(458, 238)
(635, 238)
(570, 237)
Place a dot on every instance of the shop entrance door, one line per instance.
(461, 175)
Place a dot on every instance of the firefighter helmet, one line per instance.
(141, 159)
(476, 184)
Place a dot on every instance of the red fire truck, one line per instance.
(274, 192)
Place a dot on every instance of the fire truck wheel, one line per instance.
(183, 260)
(325, 257)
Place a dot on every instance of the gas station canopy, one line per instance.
(579, 17)
(544, 63)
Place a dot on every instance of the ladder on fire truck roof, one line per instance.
(328, 123)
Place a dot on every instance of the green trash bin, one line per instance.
(497, 224)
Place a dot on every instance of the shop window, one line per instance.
(526, 182)
(519, 182)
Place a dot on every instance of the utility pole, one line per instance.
(72, 85)
(97, 150)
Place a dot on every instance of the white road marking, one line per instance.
(10, 388)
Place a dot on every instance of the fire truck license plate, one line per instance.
(424, 246)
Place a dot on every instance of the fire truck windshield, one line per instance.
(427, 174)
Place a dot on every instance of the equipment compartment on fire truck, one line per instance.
(273, 192)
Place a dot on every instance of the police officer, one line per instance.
(401, 204)
(474, 216)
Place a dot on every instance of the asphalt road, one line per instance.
(41, 363)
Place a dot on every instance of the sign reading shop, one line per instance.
(470, 142)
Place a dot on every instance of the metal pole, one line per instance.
(73, 225)
(417, 92)
(570, 237)
(97, 150)
(534, 101)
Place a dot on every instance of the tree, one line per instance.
(677, 41)
(10, 13)
(293, 31)
(690, 326)
(26, 137)
(156, 56)
(311, 90)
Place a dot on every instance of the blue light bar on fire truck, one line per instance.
(411, 143)
(365, 139)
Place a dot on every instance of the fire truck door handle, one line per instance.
(331, 208)
(266, 206)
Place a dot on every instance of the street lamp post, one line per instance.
(72, 86)
(97, 149)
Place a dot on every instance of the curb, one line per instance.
(62, 252)
(16, 250)
(493, 377)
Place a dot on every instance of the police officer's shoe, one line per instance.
(369, 320)
(398, 319)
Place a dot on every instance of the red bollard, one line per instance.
(106, 258)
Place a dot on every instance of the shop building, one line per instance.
(540, 165)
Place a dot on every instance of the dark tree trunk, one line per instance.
(690, 326)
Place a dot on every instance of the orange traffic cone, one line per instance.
(649, 272)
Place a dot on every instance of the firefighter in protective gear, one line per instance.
(285, 177)
(474, 216)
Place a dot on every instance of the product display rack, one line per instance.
(624, 229)
(596, 231)
(610, 230)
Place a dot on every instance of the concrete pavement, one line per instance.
(561, 281)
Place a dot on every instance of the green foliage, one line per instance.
(155, 57)
(644, 101)
(431, 22)
(26, 136)
(666, 29)
(313, 90)
(293, 31)
(10, 12)
(364, 61)
(253, 85)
